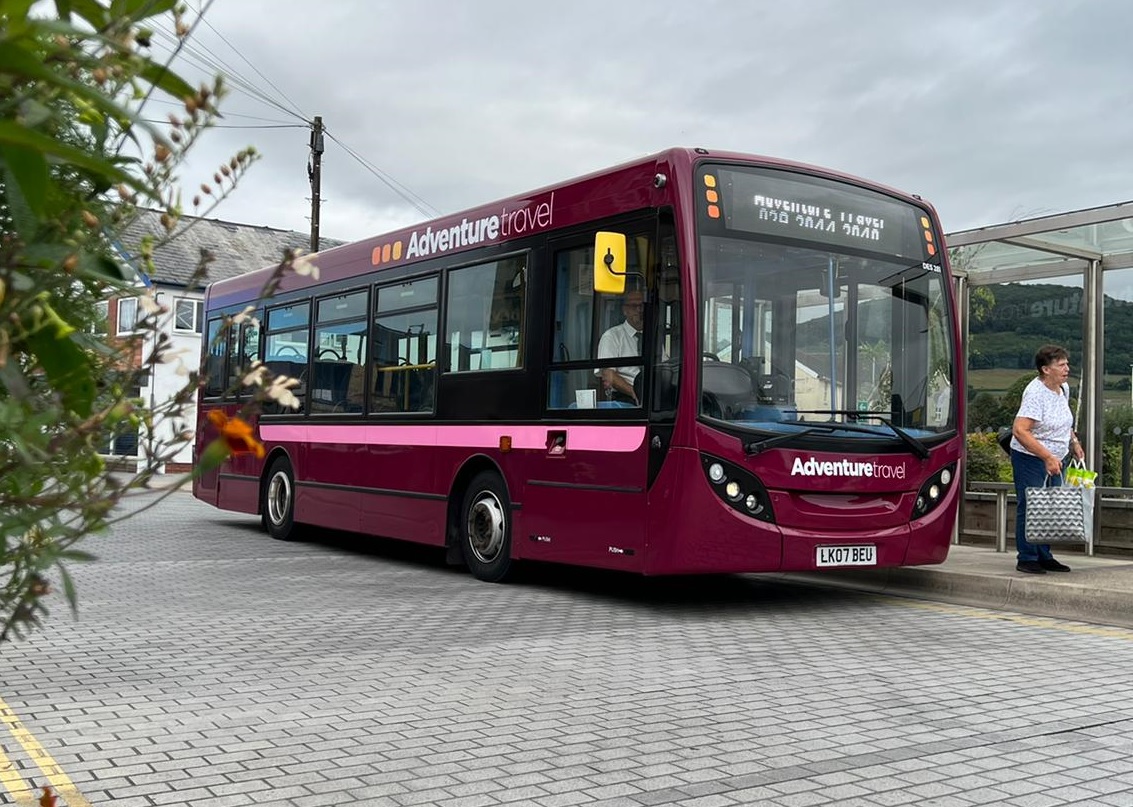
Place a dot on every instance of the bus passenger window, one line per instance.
(217, 349)
(338, 381)
(249, 349)
(485, 316)
(285, 350)
(405, 348)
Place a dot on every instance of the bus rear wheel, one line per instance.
(277, 509)
(485, 528)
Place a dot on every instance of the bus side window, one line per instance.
(667, 324)
(404, 356)
(484, 315)
(216, 350)
(581, 318)
(286, 350)
(249, 349)
(573, 339)
(338, 374)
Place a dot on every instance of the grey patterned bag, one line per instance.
(1058, 515)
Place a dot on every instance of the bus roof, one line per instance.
(605, 192)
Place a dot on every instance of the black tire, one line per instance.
(485, 528)
(277, 505)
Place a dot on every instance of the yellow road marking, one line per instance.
(63, 785)
(14, 783)
(1018, 619)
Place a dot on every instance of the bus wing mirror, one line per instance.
(609, 263)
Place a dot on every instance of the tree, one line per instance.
(1013, 396)
(76, 162)
(987, 412)
(986, 461)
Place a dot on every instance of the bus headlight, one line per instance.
(738, 488)
(932, 491)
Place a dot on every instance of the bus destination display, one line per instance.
(816, 209)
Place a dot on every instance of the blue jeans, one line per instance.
(1029, 472)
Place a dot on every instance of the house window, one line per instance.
(187, 315)
(127, 315)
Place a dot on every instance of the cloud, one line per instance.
(988, 109)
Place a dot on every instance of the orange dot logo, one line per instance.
(384, 253)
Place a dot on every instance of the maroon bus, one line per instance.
(475, 382)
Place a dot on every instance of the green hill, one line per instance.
(1022, 317)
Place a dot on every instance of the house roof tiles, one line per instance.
(237, 248)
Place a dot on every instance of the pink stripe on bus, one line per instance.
(583, 438)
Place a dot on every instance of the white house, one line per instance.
(237, 248)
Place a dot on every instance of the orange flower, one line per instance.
(237, 434)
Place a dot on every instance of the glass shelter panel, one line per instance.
(1008, 323)
(1117, 394)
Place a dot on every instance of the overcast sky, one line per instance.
(993, 110)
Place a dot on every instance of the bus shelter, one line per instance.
(1064, 279)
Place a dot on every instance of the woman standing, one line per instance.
(1042, 435)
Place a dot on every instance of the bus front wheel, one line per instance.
(278, 506)
(485, 528)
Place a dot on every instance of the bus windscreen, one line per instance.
(788, 205)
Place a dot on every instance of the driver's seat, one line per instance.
(725, 387)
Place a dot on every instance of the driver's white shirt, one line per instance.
(617, 342)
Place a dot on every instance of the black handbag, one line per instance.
(1004, 439)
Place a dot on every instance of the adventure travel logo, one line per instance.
(875, 470)
(530, 218)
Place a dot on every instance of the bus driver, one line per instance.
(623, 340)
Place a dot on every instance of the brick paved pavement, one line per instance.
(213, 666)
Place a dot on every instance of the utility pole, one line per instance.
(315, 173)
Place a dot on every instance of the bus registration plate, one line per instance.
(856, 555)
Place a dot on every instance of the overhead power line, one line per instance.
(270, 83)
(204, 60)
(201, 57)
(405, 193)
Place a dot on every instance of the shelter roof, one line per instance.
(1047, 246)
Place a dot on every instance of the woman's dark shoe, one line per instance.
(1052, 565)
(1030, 567)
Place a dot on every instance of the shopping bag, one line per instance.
(1059, 515)
(1078, 476)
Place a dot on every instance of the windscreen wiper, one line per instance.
(919, 448)
(756, 446)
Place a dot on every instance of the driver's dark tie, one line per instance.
(637, 339)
